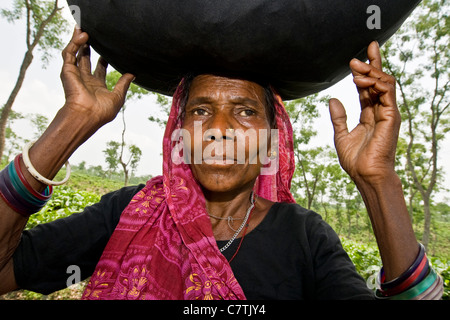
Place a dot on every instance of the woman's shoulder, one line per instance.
(293, 218)
(295, 212)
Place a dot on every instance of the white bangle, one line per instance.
(37, 175)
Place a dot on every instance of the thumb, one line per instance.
(122, 85)
(338, 118)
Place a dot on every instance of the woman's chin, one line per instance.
(224, 176)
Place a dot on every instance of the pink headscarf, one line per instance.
(163, 246)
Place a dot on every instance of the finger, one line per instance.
(84, 59)
(361, 69)
(338, 118)
(384, 100)
(100, 69)
(374, 56)
(376, 87)
(69, 53)
(121, 87)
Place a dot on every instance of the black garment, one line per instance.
(291, 254)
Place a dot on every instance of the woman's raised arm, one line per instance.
(367, 154)
(89, 105)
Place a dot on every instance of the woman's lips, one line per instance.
(220, 162)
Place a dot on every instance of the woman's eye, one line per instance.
(200, 112)
(246, 113)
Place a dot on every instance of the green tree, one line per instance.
(310, 173)
(44, 26)
(115, 151)
(419, 52)
(13, 142)
(164, 104)
(39, 122)
(112, 156)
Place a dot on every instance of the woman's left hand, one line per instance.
(367, 153)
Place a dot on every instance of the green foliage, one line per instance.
(112, 155)
(418, 56)
(45, 24)
(115, 151)
(367, 261)
(134, 91)
(164, 104)
(442, 267)
(63, 203)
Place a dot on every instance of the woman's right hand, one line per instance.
(86, 93)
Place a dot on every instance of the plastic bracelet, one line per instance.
(414, 291)
(407, 282)
(19, 211)
(25, 194)
(12, 198)
(17, 195)
(47, 192)
(21, 190)
(393, 283)
(37, 175)
(432, 292)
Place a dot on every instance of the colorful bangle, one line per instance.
(11, 196)
(394, 283)
(434, 292)
(420, 281)
(408, 282)
(17, 192)
(10, 200)
(37, 175)
(18, 168)
(20, 188)
(418, 289)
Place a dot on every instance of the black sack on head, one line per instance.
(299, 46)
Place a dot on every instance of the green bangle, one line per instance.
(414, 291)
(21, 189)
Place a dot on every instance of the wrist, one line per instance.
(90, 120)
(391, 224)
(384, 180)
(68, 130)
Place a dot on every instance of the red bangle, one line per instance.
(25, 182)
(405, 284)
(16, 209)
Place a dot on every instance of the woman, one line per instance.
(215, 228)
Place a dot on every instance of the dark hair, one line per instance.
(269, 98)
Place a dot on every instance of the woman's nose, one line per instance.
(219, 127)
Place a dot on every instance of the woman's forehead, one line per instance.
(218, 88)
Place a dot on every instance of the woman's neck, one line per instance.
(232, 203)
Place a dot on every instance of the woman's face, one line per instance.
(224, 118)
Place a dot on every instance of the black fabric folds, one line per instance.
(299, 46)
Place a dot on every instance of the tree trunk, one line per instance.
(427, 222)
(23, 68)
(28, 58)
(125, 172)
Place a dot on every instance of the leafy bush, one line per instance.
(367, 261)
(442, 266)
(63, 203)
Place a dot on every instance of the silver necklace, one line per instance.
(252, 201)
(229, 219)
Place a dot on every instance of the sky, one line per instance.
(42, 93)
